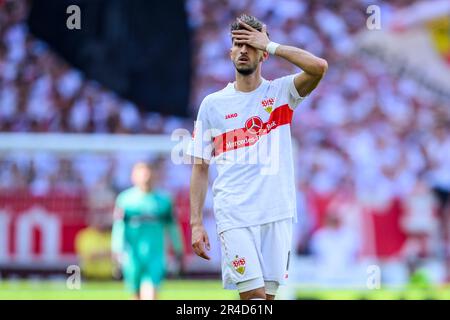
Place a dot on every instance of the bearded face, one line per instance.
(245, 58)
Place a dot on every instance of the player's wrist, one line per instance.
(196, 224)
(271, 47)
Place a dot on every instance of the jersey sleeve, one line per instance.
(118, 227)
(289, 91)
(119, 203)
(201, 145)
(173, 227)
(118, 236)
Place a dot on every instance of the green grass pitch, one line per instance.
(192, 290)
(113, 290)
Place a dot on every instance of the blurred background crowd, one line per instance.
(372, 146)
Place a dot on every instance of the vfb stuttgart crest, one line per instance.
(267, 104)
(239, 264)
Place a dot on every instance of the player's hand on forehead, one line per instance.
(250, 28)
(251, 36)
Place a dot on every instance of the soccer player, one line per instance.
(254, 201)
(141, 217)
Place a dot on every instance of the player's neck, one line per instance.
(145, 189)
(248, 83)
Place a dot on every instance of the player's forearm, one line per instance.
(175, 237)
(198, 189)
(117, 236)
(303, 59)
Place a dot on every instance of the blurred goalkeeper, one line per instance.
(141, 217)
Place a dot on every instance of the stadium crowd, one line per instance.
(365, 138)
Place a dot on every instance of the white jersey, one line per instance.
(247, 135)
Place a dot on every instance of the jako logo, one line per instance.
(231, 115)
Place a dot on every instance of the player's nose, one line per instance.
(244, 48)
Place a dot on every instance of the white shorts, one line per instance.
(256, 256)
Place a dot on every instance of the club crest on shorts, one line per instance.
(239, 264)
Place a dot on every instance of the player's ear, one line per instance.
(231, 48)
(265, 56)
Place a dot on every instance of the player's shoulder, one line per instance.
(127, 193)
(164, 199)
(163, 195)
(218, 95)
(283, 81)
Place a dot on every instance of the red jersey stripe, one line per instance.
(244, 137)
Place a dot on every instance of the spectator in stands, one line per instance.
(93, 247)
(335, 248)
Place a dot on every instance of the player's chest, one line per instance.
(239, 113)
(144, 207)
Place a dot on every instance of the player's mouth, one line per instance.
(243, 59)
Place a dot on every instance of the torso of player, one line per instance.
(145, 217)
(143, 208)
(251, 138)
(241, 119)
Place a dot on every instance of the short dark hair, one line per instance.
(250, 20)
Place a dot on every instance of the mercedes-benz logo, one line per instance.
(254, 125)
